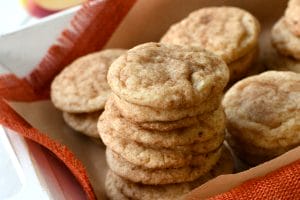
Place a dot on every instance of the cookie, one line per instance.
(206, 146)
(240, 67)
(292, 17)
(150, 157)
(167, 76)
(82, 86)
(264, 110)
(229, 32)
(85, 123)
(141, 114)
(167, 125)
(137, 174)
(284, 41)
(184, 122)
(252, 154)
(274, 61)
(112, 192)
(112, 120)
(169, 191)
(283, 63)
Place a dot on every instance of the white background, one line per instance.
(12, 15)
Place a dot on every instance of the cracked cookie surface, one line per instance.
(85, 123)
(284, 41)
(142, 114)
(167, 76)
(150, 157)
(169, 191)
(82, 86)
(206, 128)
(264, 110)
(138, 174)
(229, 32)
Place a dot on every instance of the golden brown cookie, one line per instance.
(284, 41)
(264, 110)
(282, 63)
(240, 67)
(85, 123)
(182, 123)
(167, 76)
(141, 114)
(168, 191)
(292, 17)
(112, 121)
(229, 32)
(150, 157)
(167, 125)
(112, 192)
(274, 61)
(82, 86)
(137, 174)
(252, 154)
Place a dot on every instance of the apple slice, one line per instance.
(54, 5)
(34, 9)
(42, 8)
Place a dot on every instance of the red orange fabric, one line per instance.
(283, 183)
(9, 118)
(92, 31)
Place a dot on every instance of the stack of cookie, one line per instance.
(285, 37)
(81, 90)
(164, 126)
(231, 33)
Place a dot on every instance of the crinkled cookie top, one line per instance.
(265, 109)
(167, 76)
(226, 31)
(82, 86)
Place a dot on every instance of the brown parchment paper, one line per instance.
(147, 21)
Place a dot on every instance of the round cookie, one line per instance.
(82, 86)
(141, 114)
(206, 146)
(240, 67)
(112, 192)
(169, 191)
(292, 17)
(282, 63)
(167, 76)
(150, 157)
(112, 120)
(167, 125)
(274, 61)
(229, 32)
(264, 110)
(184, 122)
(254, 155)
(85, 123)
(284, 41)
(137, 174)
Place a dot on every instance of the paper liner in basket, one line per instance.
(90, 30)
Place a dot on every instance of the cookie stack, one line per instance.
(285, 37)
(263, 115)
(163, 125)
(81, 90)
(231, 33)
